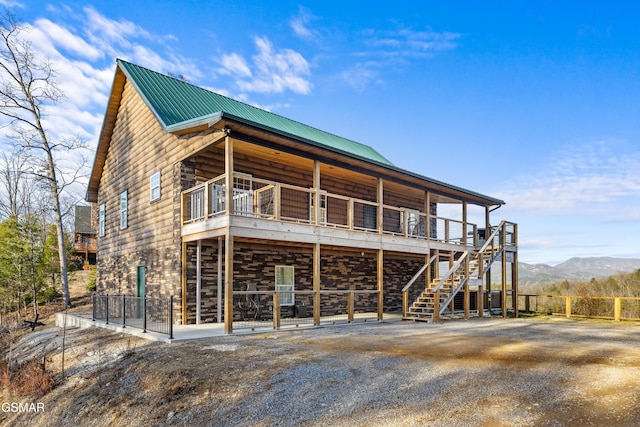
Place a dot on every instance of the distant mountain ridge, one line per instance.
(575, 269)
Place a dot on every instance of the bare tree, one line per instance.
(27, 87)
(12, 174)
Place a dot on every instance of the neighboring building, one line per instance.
(316, 225)
(85, 235)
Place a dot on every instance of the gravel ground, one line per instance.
(480, 372)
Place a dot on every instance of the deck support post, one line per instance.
(436, 307)
(504, 272)
(198, 281)
(184, 282)
(487, 280)
(514, 283)
(228, 244)
(380, 276)
(350, 306)
(219, 287)
(466, 302)
(480, 301)
(316, 284)
(228, 284)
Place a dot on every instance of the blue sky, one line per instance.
(532, 102)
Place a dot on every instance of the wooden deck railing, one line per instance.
(616, 308)
(260, 309)
(283, 202)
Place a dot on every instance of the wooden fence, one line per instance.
(616, 308)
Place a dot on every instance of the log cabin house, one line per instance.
(84, 236)
(316, 228)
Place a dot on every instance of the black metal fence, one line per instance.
(148, 314)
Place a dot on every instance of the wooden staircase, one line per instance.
(469, 268)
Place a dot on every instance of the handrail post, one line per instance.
(144, 313)
(171, 317)
(568, 306)
(124, 312)
(617, 306)
(436, 307)
(350, 306)
(405, 302)
(276, 310)
(107, 315)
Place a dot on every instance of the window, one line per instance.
(123, 209)
(101, 220)
(154, 187)
(285, 282)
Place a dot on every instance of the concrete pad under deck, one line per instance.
(193, 332)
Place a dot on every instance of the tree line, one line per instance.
(34, 244)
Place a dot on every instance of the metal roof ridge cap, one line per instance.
(140, 92)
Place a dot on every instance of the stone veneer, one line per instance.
(255, 264)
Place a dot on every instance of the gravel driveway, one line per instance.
(479, 372)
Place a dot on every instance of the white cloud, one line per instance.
(300, 24)
(384, 50)
(406, 42)
(51, 37)
(234, 64)
(586, 178)
(274, 71)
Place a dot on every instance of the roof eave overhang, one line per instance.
(108, 124)
(389, 171)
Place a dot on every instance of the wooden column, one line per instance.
(198, 281)
(427, 272)
(464, 223)
(504, 273)
(219, 287)
(380, 200)
(466, 288)
(480, 301)
(427, 210)
(228, 283)
(184, 283)
(316, 186)
(316, 284)
(487, 280)
(514, 283)
(380, 271)
(228, 170)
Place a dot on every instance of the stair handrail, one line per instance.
(405, 294)
(452, 270)
(491, 238)
(415, 277)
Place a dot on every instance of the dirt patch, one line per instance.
(478, 373)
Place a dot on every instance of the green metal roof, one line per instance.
(177, 103)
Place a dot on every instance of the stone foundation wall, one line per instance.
(116, 275)
(255, 264)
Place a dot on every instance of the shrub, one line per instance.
(27, 378)
(91, 283)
